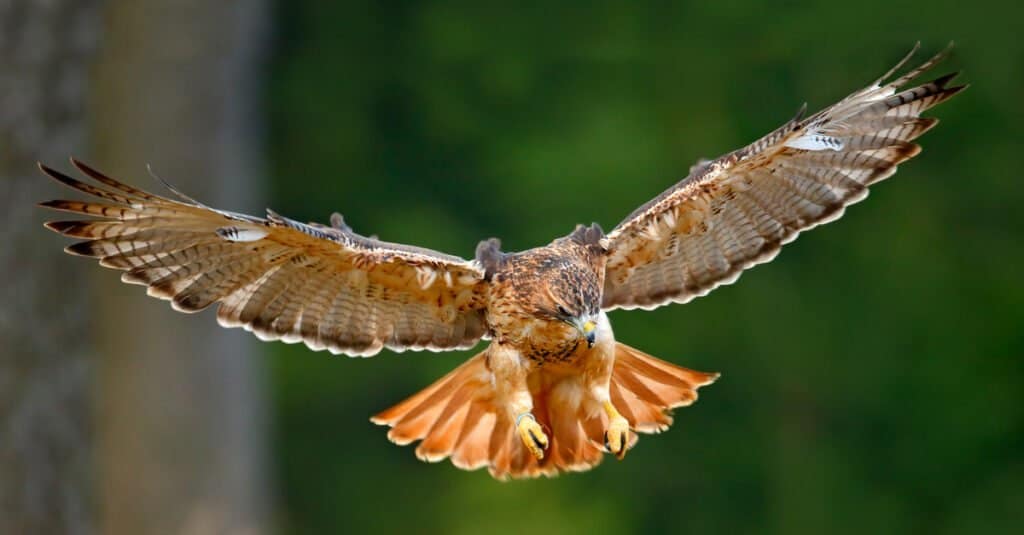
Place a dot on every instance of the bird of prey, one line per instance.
(553, 390)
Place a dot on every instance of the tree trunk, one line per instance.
(46, 372)
(117, 414)
(180, 429)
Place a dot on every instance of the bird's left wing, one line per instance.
(737, 211)
(326, 286)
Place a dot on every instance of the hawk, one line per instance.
(553, 390)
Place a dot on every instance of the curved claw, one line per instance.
(532, 435)
(616, 438)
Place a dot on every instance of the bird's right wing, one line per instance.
(326, 286)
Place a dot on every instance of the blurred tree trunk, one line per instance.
(180, 425)
(46, 373)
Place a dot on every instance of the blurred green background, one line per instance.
(872, 374)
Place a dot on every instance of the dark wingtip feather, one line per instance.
(60, 227)
(950, 91)
(54, 204)
(113, 183)
(82, 248)
(80, 165)
(77, 229)
(54, 174)
(190, 303)
(947, 93)
(81, 186)
(926, 124)
(941, 81)
(62, 178)
(129, 277)
(904, 151)
(89, 170)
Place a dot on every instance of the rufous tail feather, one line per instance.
(457, 417)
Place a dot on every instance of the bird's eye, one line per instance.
(562, 311)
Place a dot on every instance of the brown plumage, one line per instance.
(553, 390)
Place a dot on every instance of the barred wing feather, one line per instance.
(737, 211)
(325, 286)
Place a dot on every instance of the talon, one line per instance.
(537, 441)
(532, 435)
(616, 437)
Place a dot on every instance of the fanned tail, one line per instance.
(457, 416)
(454, 417)
(645, 389)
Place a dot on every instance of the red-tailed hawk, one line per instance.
(553, 390)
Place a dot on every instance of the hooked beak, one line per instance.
(589, 330)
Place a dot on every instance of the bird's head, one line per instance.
(559, 285)
(571, 294)
(586, 324)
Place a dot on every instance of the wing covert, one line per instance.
(284, 280)
(737, 211)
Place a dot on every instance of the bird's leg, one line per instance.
(616, 435)
(512, 391)
(597, 374)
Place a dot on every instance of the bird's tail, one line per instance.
(645, 389)
(457, 417)
(454, 417)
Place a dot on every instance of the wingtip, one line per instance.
(944, 53)
(49, 171)
(945, 79)
(82, 248)
(957, 88)
(173, 189)
(913, 50)
(800, 113)
(81, 166)
(57, 226)
(899, 65)
(914, 73)
(58, 176)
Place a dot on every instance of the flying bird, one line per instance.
(553, 390)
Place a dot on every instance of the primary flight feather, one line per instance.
(553, 390)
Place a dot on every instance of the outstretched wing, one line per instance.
(737, 211)
(326, 286)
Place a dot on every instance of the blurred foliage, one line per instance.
(872, 374)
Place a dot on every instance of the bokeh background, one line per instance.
(873, 378)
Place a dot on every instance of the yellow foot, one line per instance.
(616, 437)
(532, 435)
